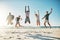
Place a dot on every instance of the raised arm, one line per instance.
(38, 12)
(43, 17)
(51, 11)
(25, 8)
(28, 8)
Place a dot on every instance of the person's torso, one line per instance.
(38, 17)
(27, 14)
(47, 17)
(9, 17)
(18, 18)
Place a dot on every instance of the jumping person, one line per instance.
(10, 17)
(47, 18)
(27, 12)
(38, 19)
(17, 21)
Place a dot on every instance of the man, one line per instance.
(10, 17)
(38, 19)
(27, 19)
(47, 18)
(17, 21)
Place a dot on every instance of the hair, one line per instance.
(35, 14)
(19, 16)
(9, 12)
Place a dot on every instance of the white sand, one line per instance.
(30, 34)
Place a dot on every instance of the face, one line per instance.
(9, 13)
(46, 12)
(35, 14)
(19, 16)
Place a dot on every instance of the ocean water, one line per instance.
(28, 27)
(38, 27)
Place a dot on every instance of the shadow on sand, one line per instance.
(42, 37)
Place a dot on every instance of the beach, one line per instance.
(29, 33)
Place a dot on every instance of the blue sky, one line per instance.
(16, 7)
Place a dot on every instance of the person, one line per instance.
(10, 17)
(27, 12)
(38, 19)
(47, 18)
(17, 21)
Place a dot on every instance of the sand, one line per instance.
(30, 34)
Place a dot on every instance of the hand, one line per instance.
(51, 9)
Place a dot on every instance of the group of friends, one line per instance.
(10, 17)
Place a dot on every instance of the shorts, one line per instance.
(47, 21)
(17, 22)
(27, 20)
(38, 20)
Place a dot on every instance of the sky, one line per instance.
(17, 7)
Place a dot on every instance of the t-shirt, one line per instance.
(10, 17)
(17, 19)
(27, 13)
(47, 16)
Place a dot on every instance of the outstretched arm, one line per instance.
(51, 11)
(43, 17)
(25, 8)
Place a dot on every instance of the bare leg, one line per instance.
(45, 24)
(16, 25)
(49, 24)
(29, 22)
(19, 25)
(39, 23)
